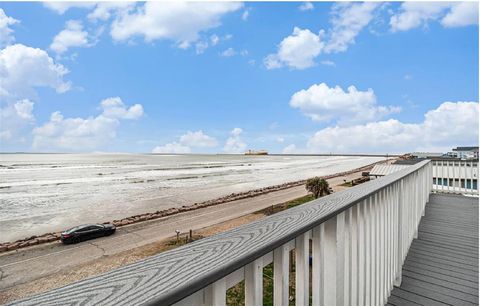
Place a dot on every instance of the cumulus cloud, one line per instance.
(306, 6)
(81, 134)
(234, 143)
(290, 149)
(348, 19)
(105, 10)
(115, 108)
(6, 33)
(323, 103)
(449, 125)
(178, 21)
(450, 14)
(300, 49)
(62, 7)
(23, 68)
(297, 50)
(228, 52)
(14, 118)
(72, 36)
(198, 139)
(172, 148)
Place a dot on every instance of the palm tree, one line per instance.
(318, 186)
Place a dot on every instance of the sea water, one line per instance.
(42, 193)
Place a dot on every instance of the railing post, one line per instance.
(302, 272)
(281, 275)
(254, 283)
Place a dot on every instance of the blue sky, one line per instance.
(226, 77)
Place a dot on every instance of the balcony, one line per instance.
(386, 241)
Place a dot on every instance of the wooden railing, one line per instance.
(352, 242)
(460, 176)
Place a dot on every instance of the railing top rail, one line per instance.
(168, 277)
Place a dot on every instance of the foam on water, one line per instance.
(49, 192)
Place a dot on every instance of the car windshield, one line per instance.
(78, 228)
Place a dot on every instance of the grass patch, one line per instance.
(280, 207)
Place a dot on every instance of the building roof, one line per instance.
(411, 161)
(381, 170)
(466, 149)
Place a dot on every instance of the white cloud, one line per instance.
(450, 14)
(306, 6)
(178, 21)
(328, 63)
(228, 52)
(72, 36)
(300, 49)
(104, 10)
(322, 103)
(62, 7)
(23, 68)
(116, 109)
(81, 134)
(461, 14)
(214, 39)
(201, 46)
(347, 22)
(449, 125)
(234, 143)
(290, 149)
(198, 139)
(297, 50)
(14, 118)
(6, 33)
(236, 132)
(245, 15)
(172, 148)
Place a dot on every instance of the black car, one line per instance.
(86, 231)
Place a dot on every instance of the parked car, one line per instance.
(86, 231)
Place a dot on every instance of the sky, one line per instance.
(287, 77)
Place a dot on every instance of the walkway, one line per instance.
(442, 264)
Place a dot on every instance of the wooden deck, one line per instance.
(441, 267)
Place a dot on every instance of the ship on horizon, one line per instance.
(253, 152)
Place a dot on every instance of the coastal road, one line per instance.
(25, 265)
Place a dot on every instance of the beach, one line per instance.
(43, 193)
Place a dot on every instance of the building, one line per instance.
(464, 152)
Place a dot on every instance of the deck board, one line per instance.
(441, 267)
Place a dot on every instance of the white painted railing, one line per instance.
(455, 176)
(353, 244)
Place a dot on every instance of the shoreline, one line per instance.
(53, 236)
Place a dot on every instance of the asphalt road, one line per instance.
(25, 265)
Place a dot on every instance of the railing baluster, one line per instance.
(373, 249)
(368, 252)
(281, 275)
(302, 272)
(361, 207)
(254, 283)
(216, 293)
(331, 253)
(354, 233)
(400, 233)
(317, 285)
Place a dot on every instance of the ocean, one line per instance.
(42, 193)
